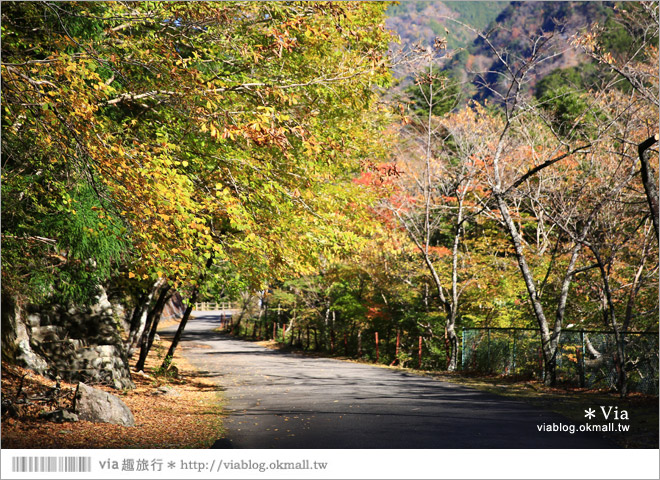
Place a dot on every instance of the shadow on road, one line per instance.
(279, 399)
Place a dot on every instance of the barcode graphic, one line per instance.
(51, 464)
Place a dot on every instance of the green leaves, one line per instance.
(204, 133)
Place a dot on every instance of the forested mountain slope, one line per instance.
(510, 28)
(422, 21)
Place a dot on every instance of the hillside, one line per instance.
(511, 27)
(423, 21)
(520, 24)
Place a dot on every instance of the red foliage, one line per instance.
(440, 251)
(378, 175)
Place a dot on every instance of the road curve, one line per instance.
(287, 400)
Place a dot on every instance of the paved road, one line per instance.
(286, 400)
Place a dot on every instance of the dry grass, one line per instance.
(193, 419)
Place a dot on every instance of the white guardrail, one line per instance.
(209, 306)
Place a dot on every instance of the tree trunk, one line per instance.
(452, 338)
(292, 325)
(396, 348)
(140, 318)
(151, 326)
(148, 321)
(179, 331)
(235, 327)
(262, 310)
(453, 314)
(264, 323)
(548, 342)
(137, 322)
(619, 335)
(648, 179)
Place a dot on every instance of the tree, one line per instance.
(503, 164)
(631, 99)
(439, 91)
(612, 123)
(215, 130)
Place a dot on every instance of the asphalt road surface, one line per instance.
(287, 400)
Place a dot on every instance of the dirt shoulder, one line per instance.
(188, 416)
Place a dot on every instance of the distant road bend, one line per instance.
(284, 400)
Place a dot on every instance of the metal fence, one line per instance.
(585, 358)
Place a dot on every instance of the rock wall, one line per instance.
(16, 345)
(174, 308)
(78, 344)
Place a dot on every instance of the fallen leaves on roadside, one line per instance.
(192, 419)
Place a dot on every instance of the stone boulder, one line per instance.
(60, 416)
(166, 391)
(95, 405)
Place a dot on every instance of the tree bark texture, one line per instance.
(150, 327)
(649, 180)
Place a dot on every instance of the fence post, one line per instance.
(420, 353)
(488, 334)
(396, 350)
(583, 380)
(376, 347)
(463, 348)
(513, 352)
(541, 359)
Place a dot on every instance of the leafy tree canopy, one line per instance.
(185, 131)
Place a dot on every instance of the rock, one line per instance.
(167, 391)
(33, 320)
(102, 306)
(46, 333)
(60, 416)
(80, 343)
(16, 327)
(95, 405)
(13, 410)
(105, 364)
(28, 359)
(25, 355)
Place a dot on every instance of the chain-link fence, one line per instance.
(585, 358)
